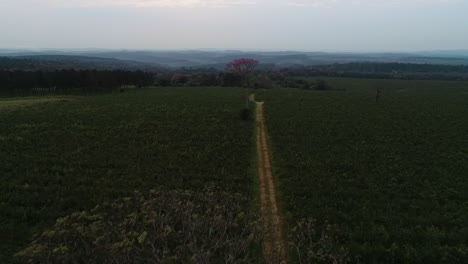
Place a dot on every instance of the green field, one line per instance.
(358, 181)
(58, 156)
(379, 182)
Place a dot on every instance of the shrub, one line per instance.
(245, 114)
(162, 227)
(321, 85)
(163, 79)
(263, 82)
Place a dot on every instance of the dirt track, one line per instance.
(274, 245)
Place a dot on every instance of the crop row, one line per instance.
(60, 157)
(372, 182)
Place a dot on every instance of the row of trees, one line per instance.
(197, 79)
(22, 83)
(225, 79)
(382, 71)
(239, 72)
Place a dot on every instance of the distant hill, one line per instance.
(194, 58)
(445, 53)
(60, 62)
(151, 60)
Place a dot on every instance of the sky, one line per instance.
(306, 25)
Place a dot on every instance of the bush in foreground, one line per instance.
(162, 227)
(245, 114)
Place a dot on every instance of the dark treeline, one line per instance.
(25, 83)
(382, 71)
(397, 67)
(60, 62)
(296, 76)
(197, 78)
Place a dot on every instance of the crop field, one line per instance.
(357, 181)
(368, 182)
(62, 156)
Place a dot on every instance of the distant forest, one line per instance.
(384, 70)
(87, 75)
(62, 62)
(25, 83)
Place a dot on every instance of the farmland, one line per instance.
(371, 182)
(59, 156)
(357, 181)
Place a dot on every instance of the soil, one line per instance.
(274, 245)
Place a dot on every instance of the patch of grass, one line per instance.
(14, 103)
(389, 177)
(202, 226)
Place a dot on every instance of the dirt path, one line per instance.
(274, 245)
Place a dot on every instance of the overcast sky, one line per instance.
(308, 25)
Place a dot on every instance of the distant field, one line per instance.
(59, 156)
(15, 103)
(383, 182)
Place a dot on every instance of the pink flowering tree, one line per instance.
(244, 68)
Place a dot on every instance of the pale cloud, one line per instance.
(151, 3)
(230, 3)
(359, 25)
(312, 3)
(331, 3)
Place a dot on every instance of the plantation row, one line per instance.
(367, 182)
(62, 157)
(358, 181)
